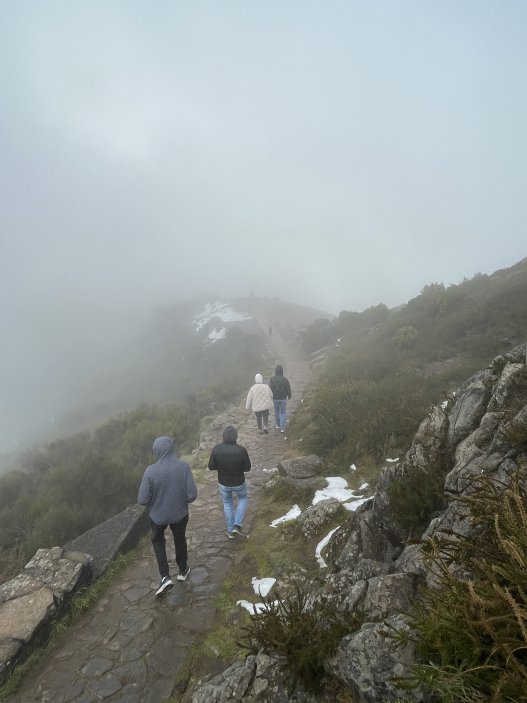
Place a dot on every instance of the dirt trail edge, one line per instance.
(130, 646)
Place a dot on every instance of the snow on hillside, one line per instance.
(217, 333)
(218, 310)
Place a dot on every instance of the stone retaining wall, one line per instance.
(33, 601)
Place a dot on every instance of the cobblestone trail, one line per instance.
(131, 645)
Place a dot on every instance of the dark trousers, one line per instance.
(262, 418)
(180, 542)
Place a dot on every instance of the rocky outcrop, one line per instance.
(259, 679)
(482, 428)
(370, 662)
(314, 518)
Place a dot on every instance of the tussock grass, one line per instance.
(472, 629)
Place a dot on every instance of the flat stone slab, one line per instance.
(21, 617)
(59, 570)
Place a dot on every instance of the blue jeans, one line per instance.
(279, 412)
(227, 493)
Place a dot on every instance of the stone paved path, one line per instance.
(131, 646)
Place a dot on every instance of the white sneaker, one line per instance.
(165, 585)
(182, 576)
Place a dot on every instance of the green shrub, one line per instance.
(284, 490)
(415, 497)
(405, 337)
(305, 636)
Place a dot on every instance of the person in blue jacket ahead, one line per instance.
(167, 489)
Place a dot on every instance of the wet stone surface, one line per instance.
(131, 645)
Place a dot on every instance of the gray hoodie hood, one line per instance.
(163, 447)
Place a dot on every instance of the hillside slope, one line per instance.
(381, 369)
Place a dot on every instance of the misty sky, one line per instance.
(336, 154)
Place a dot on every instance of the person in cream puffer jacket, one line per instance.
(260, 401)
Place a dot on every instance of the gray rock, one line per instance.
(60, 574)
(302, 467)
(316, 516)
(369, 662)
(389, 594)
(261, 678)
(20, 618)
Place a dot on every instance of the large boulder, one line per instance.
(371, 663)
(302, 467)
(313, 519)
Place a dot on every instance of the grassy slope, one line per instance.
(385, 368)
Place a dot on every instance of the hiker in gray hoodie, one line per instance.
(167, 488)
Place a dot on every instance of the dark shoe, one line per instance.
(230, 535)
(165, 585)
(266, 431)
(183, 574)
(238, 530)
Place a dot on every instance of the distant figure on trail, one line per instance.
(281, 390)
(260, 401)
(231, 461)
(270, 330)
(167, 488)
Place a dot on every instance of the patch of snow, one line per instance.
(223, 311)
(337, 488)
(217, 333)
(253, 608)
(444, 404)
(392, 461)
(270, 471)
(363, 486)
(262, 586)
(290, 515)
(353, 467)
(354, 504)
(321, 545)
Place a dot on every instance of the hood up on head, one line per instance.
(258, 378)
(230, 434)
(279, 371)
(163, 447)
